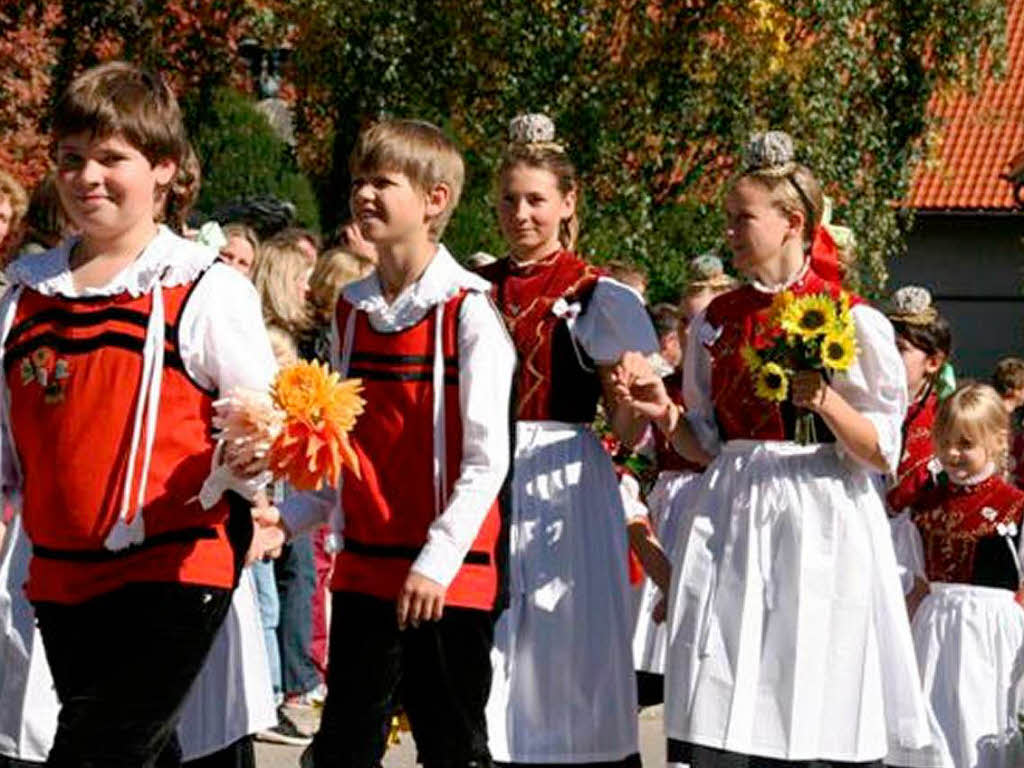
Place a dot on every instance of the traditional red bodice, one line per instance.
(733, 319)
(667, 457)
(913, 474)
(555, 380)
(960, 528)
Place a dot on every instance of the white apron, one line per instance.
(231, 698)
(788, 634)
(970, 647)
(564, 689)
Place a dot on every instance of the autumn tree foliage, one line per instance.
(45, 43)
(28, 52)
(655, 99)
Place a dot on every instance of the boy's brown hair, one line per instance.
(1008, 376)
(418, 150)
(120, 99)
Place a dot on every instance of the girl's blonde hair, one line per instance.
(335, 269)
(793, 188)
(279, 270)
(976, 411)
(550, 157)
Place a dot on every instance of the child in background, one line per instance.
(419, 575)
(281, 276)
(969, 631)
(670, 499)
(13, 205)
(1008, 382)
(924, 341)
(129, 576)
(241, 248)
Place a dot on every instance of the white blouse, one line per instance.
(486, 365)
(223, 342)
(875, 385)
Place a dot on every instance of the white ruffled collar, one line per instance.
(168, 259)
(440, 281)
(987, 471)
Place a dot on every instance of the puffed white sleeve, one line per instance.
(700, 409)
(486, 366)
(223, 340)
(614, 322)
(876, 384)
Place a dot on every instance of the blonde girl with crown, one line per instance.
(563, 688)
(788, 638)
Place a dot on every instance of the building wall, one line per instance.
(974, 266)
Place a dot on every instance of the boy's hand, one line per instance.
(268, 533)
(421, 599)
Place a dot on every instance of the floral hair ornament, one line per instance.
(535, 130)
(912, 304)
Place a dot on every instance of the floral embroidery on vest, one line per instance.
(50, 372)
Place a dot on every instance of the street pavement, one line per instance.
(403, 754)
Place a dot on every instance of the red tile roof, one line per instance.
(980, 135)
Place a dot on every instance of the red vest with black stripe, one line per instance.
(73, 368)
(389, 509)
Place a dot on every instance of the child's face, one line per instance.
(530, 210)
(756, 229)
(106, 185)
(920, 366)
(963, 455)
(6, 216)
(238, 253)
(388, 207)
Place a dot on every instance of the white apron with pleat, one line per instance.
(564, 689)
(788, 637)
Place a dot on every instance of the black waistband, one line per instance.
(404, 553)
(180, 536)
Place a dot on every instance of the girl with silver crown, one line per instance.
(563, 688)
(788, 639)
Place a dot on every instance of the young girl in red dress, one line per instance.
(969, 630)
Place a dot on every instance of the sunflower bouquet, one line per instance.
(299, 431)
(811, 332)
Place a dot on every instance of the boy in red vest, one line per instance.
(114, 347)
(417, 577)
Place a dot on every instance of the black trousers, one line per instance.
(122, 665)
(440, 673)
(707, 757)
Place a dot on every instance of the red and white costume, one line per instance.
(788, 636)
(969, 630)
(433, 441)
(177, 328)
(917, 470)
(564, 688)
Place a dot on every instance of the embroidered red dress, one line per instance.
(969, 532)
(563, 688)
(914, 473)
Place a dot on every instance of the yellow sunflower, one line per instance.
(770, 382)
(808, 317)
(838, 350)
(751, 358)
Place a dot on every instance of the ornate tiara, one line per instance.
(912, 304)
(535, 130)
(770, 149)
